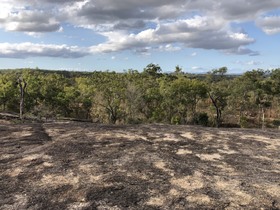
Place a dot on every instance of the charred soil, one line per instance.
(72, 165)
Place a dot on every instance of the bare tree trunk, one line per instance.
(22, 85)
(263, 118)
(218, 111)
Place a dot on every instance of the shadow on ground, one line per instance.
(88, 166)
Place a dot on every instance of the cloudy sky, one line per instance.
(197, 35)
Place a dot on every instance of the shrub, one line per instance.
(244, 122)
(201, 119)
(175, 120)
(276, 122)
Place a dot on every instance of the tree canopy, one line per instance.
(250, 99)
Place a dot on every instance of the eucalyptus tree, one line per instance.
(218, 91)
(8, 91)
(181, 96)
(109, 98)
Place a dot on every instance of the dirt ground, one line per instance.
(71, 165)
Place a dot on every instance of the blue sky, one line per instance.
(87, 35)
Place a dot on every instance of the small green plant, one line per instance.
(244, 122)
(175, 120)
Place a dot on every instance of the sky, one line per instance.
(117, 35)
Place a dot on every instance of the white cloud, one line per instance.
(184, 32)
(29, 21)
(146, 25)
(169, 48)
(27, 49)
(194, 54)
(270, 24)
(253, 63)
(240, 10)
(198, 69)
(250, 63)
(242, 51)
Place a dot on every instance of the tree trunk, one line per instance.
(263, 118)
(22, 86)
(218, 111)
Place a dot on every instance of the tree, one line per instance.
(152, 70)
(252, 95)
(8, 91)
(275, 85)
(178, 70)
(275, 78)
(22, 86)
(218, 91)
(109, 97)
(180, 97)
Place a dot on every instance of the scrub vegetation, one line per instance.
(213, 99)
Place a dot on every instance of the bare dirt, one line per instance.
(71, 165)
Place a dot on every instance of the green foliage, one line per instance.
(148, 97)
(152, 69)
(218, 91)
(244, 122)
(201, 119)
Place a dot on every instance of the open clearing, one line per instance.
(71, 165)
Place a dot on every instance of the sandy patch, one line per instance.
(227, 185)
(6, 156)
(173, 192)
(15, 172)
(168, 137)
(79, 206)
(207, 137)
(184, 152)
(233, 192)
(241, 198)
(21, 134)
(156, 201)
(162, 165)
(129, 136)
(56, 180)
(47, 164)
(273, 144)
(210, 157)
(189, 183)
(225, 168)
(86, 168)
(273, 190)
(95, 179)
(226, 150)
(188, 135)
(265, 158)
(199, 199)
(31, 157)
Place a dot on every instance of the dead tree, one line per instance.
(22, 86)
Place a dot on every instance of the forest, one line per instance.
(150, 96)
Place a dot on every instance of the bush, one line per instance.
(175, 120)
(134, 121)
(276, 122)
(244, 122)
(201, 119)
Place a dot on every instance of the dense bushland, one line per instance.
(214, 99)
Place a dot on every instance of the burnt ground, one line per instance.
(88, 166)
